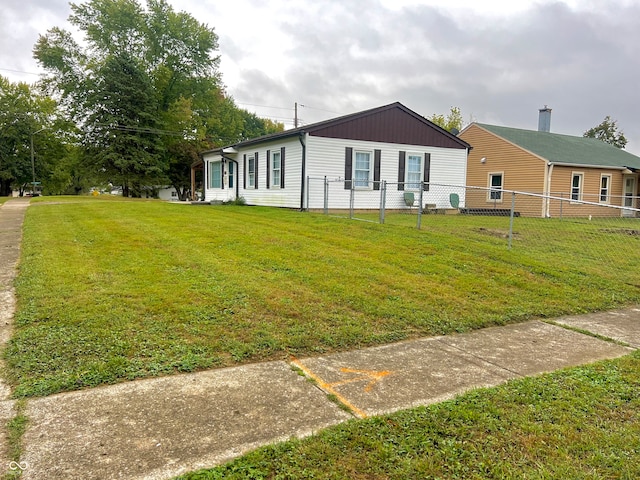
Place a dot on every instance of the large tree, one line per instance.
(608, 132)
(34, 138)
(138, 85)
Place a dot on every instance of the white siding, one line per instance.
(168, 194)
(326, 157)
(216, 194)
(289, 196)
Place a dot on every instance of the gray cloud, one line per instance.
(347, 55)
(578, 61)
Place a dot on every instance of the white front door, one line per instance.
(629, 196)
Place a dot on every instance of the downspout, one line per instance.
(304, 168)
(237, 184)
(548, 192)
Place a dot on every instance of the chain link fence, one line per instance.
(561, 224)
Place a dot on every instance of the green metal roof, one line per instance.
(557, 148)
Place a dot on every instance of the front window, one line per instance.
(362, 172)
(276, 168)
(251, 171)
(576, 187)
(413, 172)
(605, 182)
(495, 187)
(215, 175)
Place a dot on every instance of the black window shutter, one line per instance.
(256, 170)
(401, 161)
(377, 154)
(427, 171)
(268, 168)
(222, 175)
(244, 172)
(348, 167)
(282, 167)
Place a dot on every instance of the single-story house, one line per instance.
(286, 169)
(577, 169)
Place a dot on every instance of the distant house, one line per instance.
(574, 168)
(389, 143)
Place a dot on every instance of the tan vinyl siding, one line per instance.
(521, 171)
(561, 187)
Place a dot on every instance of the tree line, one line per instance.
(130, 105)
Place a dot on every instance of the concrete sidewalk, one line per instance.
(162, 427)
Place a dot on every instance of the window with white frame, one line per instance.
(576, 186)
(362, 170)
(495, 187)
(413, 172)
(605, 185)
(251, 171)
(215, 175)
(276, 165)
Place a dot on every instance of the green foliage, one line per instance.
(576, 423)
(452, 122)
(162, 64)
(255, 126)
(112, 290)
(27, 115)
(126, 156)
(608, 132)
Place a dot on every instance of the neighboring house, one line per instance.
(544, 163)
(389, 143)
(168, 193)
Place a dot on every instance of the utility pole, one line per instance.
(33, 163)
(295, 118)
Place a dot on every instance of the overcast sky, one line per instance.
(498, 61)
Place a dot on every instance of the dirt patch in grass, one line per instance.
(622, 231)
(498, 233)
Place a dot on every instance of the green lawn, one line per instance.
(580, 423)
(111, 290)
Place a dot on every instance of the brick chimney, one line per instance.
(544, 119)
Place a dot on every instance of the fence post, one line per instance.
(419, 225)
(513, 208)
(351, 200)
(383, 199)
(326, 196)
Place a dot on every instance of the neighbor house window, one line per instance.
(495, 187)
(251, 171)
(276, 166)
(362, 170)
(605, 184)
(576, 186)
(414, 172)
(215, 175)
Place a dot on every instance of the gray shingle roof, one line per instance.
(557, 148)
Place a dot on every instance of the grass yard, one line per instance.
(577, 423)
(112, 290)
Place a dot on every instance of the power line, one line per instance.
(264, 106)
(19, 71)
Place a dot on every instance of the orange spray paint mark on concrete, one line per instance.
(328, 387)
(371, 375)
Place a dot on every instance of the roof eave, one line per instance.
(585, 165)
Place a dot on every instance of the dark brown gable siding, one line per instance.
(389, 126)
